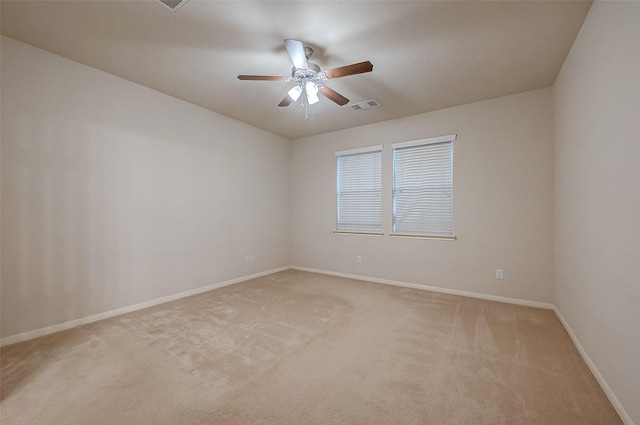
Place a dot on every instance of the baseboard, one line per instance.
(624, 416)
(107, 314)
(508, 300)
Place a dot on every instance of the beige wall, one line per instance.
(503, 211)
(597, 195)
(114, 194)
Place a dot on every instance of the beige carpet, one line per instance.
(302, 348)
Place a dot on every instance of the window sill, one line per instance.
(434, 237)
(353, 232)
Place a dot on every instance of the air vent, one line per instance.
(173, 5)
(367, 104)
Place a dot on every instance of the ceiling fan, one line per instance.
(309, 77)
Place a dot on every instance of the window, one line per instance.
(359, 190)
(423, 187)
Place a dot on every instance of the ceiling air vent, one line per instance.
(367, 104)
(173, 5)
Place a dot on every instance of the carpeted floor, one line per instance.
(302, 348)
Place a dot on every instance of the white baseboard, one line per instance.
(624, 416)
(508, 300)
(107, 314)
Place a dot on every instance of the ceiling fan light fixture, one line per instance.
(313, 99)
(312, 88)
(312, 92)
(295, 92)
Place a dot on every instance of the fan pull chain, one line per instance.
(305, 101)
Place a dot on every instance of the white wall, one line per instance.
(114, 194)
(503, 209)
(597, 195)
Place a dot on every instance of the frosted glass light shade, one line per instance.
(312, 92)
(295, 93)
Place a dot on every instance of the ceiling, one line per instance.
(427, 55)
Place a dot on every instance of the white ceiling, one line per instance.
(427, 55)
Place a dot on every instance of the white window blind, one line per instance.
(423, 187)
(359, 190)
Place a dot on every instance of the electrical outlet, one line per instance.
(358, 259)
(253, 258)
(500, 274)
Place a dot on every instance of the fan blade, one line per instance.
(286, 101)
(296, 53)
(356, 68)
(334, 96)
(261, 77)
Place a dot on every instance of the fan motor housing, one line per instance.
(310, 72)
